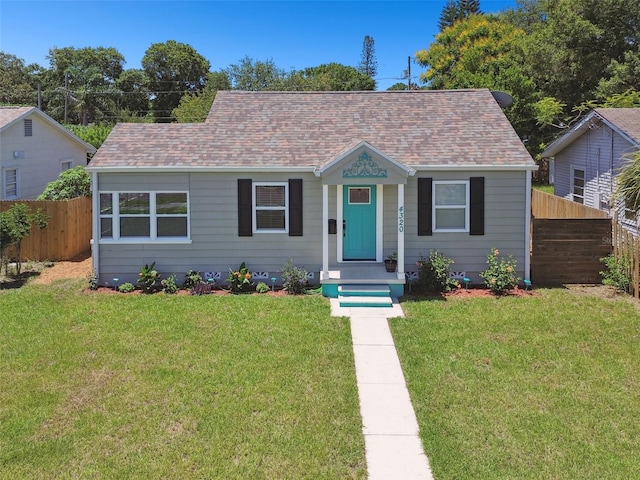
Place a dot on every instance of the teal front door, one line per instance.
(359, 222)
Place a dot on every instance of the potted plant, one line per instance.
(391, 262)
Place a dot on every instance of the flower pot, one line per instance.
(390, 265)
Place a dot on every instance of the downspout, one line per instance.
(95, 221)
(527, 227)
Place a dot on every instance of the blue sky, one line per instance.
(294, 34)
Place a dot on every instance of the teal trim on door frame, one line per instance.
(359, 222)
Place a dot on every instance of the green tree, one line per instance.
(398, 86)
(79, 73)
(134, 102)
(173, 69)
(15, 225)
(72, 183)
(483, 52)
(368, 64)
(18, 82)
(628, 183)
(577, 44)
(89, 97)
(255, 75)
(334, 77)
(455, 10)
(194, 107)
(94, 135)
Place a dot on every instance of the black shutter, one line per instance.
(425, 186)
(245, 206)
(295, 207)
(476, 206)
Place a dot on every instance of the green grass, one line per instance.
(540, 387)
(125, 386)
(543, 187)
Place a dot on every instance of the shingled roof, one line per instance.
(306, 129)
(626, 121)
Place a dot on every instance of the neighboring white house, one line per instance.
(336, 181)
(34, 149)
(585, 160)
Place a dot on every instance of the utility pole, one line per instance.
(39, 96)
(409, 72)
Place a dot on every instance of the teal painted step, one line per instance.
(364, 296)
(363, 291)
(362, 301)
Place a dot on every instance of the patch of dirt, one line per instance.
(77, 267)
(472, 292)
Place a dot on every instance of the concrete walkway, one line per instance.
(393, 447)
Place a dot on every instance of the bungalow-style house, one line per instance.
(34, 150)
(335, 181)
(585, 160)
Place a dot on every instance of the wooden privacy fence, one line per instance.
(627, 246)
(68, 233)
(568, 240)
(545, 205)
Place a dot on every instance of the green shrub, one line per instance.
(433, 273)
(191, 279)
(169, 284)
(262, 287)
(294, 279)
(92, 280)
(617, 272)
(239, 280)
(501, 273)
(126, 287)
(148, 278)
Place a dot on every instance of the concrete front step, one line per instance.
(363, 290)
(365, 301)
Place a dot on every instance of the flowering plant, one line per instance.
(501, 273)
(148, 278)
(239, 279)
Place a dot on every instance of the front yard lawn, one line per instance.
(234, 387)
(537, 387)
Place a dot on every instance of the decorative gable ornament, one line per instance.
(364, 167)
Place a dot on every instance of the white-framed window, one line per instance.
(451, 206)
(577, 185)
(158, 216)
(10, 182)
(66, 165)
(270, 207)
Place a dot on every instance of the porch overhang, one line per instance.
(361, 162)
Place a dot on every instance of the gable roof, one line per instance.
(11, 115)
(304, 130)
(624, 121)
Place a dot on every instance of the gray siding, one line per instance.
(598, 152)
(216, 246)
(505, 214)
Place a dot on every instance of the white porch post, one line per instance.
(325, 231)
(401, 221)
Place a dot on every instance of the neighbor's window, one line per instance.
(11, 183)
(578, 185)
(270, 207)
(66, 165)
(154, 215)
(451, 206)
